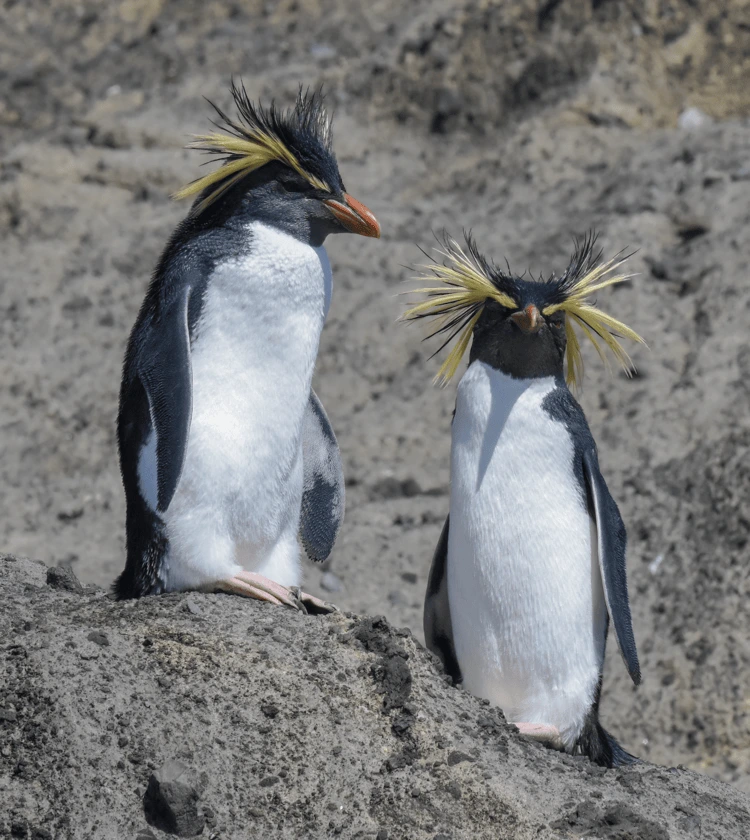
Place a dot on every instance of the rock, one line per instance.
(692, 118)
(396, 598)
(457, 757)
(98, 638)
(191, 606)
(390, 487)
(171, 801)
(270, 710)
(267, 720)
(63, 577)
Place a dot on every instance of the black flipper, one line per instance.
(438, 628)
(156, 393)
(146, 535)
(612, 541)
(164, 368)
(323, 497)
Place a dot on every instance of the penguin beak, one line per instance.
(528, 320)
(354, 216)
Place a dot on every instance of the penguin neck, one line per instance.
(517, 355)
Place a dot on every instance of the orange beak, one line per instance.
(354, 216)
(528, 320)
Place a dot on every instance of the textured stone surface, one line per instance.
(254, 721)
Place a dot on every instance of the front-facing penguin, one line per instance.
(530, 566)
(227, 457)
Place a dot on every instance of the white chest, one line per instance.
(523, 579)
(253, 357)
(261, 322)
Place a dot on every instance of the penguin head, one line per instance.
(521, 341)
(277, 167)
(522, 326)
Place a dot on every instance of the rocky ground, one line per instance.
(217, 716)
(529, 122)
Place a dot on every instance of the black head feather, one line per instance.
(300, 138)
(474, 293)
(305, 129)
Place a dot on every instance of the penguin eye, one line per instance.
(294, 183)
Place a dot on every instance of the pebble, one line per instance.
(191, 607)
(63, 577)
(171, 801)
(692, 118)
(98, 638)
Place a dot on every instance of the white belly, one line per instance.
(237, 504)
(524, 585)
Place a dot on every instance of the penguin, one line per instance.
(228, 459)
(529, 570)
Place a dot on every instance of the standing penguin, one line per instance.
(227, 456)
(530, 566)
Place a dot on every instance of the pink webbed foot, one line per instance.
(251, 585)
(547, 735)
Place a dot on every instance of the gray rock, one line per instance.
(692, 118)
(63, 577)
(392, 741)
(171, 801)
(98, 638)
(191, 606)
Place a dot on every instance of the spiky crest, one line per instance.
(468, 280)
(261, 135)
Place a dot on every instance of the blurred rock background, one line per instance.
(530, 122)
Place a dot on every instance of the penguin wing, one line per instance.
(323, 495)
(612, 541)
(438, 628)
(164, 368)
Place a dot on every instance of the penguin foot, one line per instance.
(547, 735)
(311, 604)
(251, 585)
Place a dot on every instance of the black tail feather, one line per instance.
(596, 743)
(147, 548)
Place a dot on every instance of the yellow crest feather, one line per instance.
(586, 276)
(466, 281)
(465, 285)
(253, 143)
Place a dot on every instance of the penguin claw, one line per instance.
(296, 595)
(311, 605)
